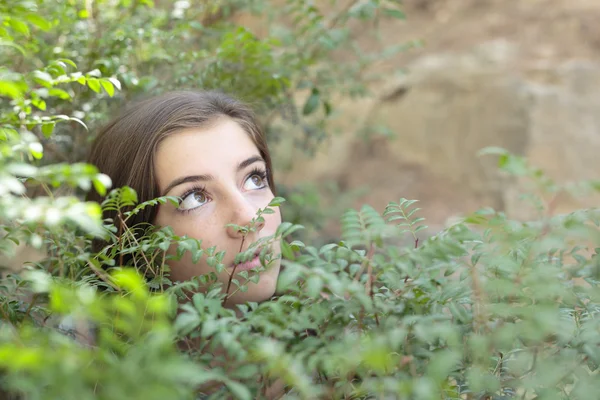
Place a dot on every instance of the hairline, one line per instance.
(209, 123)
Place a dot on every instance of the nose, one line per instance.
(243, 213)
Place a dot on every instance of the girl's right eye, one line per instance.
(192, 200)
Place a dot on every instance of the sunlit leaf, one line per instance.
(108, 87)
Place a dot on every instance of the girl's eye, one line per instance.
(193, 200)
(255, 181)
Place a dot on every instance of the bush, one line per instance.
(489, 308)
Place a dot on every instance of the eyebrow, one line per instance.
(208, 177)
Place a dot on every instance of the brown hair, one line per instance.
(124, 149)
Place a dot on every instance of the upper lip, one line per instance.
(256, 254)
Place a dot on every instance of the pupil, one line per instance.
(199, 196)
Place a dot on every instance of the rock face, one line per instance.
(565, 126)
(523, 75)
(450, 106)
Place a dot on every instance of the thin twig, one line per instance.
(227, 295)
(370, 280)
(103, 277)
(33, 299)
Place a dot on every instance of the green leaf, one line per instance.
(394, 13)
(67, 61)
(10, 89)
(312, 102)
(43, 78)
(39, 103)
(286, 250)
(94, 73)
(13, 45)
(36, 150)
(327, 108)
(94, 84)
(297, 245)
(19, 26)
(238, 390)
(108, 87)
(38, 21)
(314, 284)
(101, 184)
(47, 129)
(186, 322)
(289, 276)
(128, 195)
(276, 201)
(61, 94)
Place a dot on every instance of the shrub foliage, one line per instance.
(489, 308)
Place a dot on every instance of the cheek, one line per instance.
(197, 225)
(272, 222)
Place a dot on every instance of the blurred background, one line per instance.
(520, 74)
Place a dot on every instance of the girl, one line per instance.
(207, 149)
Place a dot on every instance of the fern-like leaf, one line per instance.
(401, 214)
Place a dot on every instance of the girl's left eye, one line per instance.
(194, 199)
(255, 181)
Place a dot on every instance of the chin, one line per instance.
(261, 291)
(256, 293)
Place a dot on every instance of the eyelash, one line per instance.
(261, 173)
(193, 189)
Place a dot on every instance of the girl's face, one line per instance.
(221, 178)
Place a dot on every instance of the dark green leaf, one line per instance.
(311, 103)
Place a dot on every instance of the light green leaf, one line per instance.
(94, 84)
(10, 89)
(36, 150)
(108, 87)
(67, 61)
(47, 129)
(61, 94)
(40, 22)
(276, 201)
(19, 26)
(39, 103)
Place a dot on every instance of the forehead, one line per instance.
(216, 149)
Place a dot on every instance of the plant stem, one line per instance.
(33, 300)
(227, 295)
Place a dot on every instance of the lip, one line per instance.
(250, 264)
